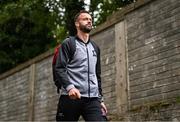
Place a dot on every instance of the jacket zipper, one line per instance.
(88, 71)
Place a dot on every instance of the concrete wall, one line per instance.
(153, 33)
(140, 59)
(27, 92)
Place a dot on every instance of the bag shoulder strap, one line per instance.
(72, 46)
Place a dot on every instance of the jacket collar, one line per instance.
(82, 40)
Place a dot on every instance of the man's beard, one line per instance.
(85, 29)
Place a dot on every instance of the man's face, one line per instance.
(84, 23)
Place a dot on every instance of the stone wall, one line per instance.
(140, 62)
(14, 96)
(27, 92)
(153, 33)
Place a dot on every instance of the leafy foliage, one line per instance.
(25, 28)
(67, 9)
(102, 8)
(30, 27)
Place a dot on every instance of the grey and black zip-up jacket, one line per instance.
(82, 71)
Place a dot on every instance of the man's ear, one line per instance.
(76, 24)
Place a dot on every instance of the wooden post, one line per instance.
(121, 68)
(31, 93)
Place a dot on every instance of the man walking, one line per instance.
(78, 75)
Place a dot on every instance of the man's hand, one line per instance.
(104, 107)
(74, 93)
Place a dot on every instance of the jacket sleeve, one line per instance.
(98, 74)
(61, 66)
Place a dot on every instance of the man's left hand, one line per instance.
(104, 107)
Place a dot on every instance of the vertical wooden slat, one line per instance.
(31, 93)
(121, 68)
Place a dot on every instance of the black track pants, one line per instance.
(70, 110)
